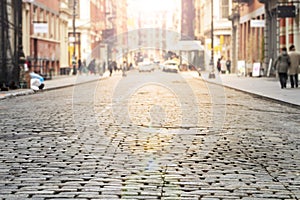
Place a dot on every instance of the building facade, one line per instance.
(259, 32)
(45, 35)
(85, 29)
(99, 27)
(187, 20)
(251, 32)
(119, 22)
(153, 30)
(218, 14)
(282, 27)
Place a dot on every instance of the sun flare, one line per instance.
(153, 5)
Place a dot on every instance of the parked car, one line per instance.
(146, 67)
(170, 66)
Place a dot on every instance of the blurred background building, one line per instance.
(153, 28)
(50, 36)
(45, 27)
(221, 29)
(260, 28)
(85, 29)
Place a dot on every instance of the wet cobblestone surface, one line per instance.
(148, 136)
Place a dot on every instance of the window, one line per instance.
(225, 9)
(35, 14)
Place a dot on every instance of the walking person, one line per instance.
(84, 67)
(110, 68)
(79, 66)
(92, 67)
(282, 64)
(219, 64)
(124, 68)
(223, 66)
(228, 65)
(103, 67)
(294, 69)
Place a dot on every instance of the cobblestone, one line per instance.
(151, 136)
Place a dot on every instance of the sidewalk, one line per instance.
(55, 83)
(267, 87)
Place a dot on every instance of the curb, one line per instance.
(251, 93)
(30, 91)
(15, 94)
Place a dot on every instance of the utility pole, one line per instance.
(74, 35)
(11, 50)
(212, 73)
(3, 42)
(20, 53)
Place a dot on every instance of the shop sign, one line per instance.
(241, 65)
(39, 27)
(286, 11)
(255, 23)
(256, 69)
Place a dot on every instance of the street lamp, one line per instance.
(212, 73)
(74, 35)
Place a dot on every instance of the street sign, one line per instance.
(107, 33)
(286, 11)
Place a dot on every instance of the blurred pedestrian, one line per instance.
(84, 67)
(130, 66)
(92, 67)
(110, 68)
(294, 69)
(223, 66)
(79, 66)
(115, 65)
(124, 68)
(228, 65)
(219, 64)
(103, 67)
(282, 64)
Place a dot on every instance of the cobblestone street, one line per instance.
(148, 136)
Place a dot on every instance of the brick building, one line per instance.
(45, 35)
(282, 27)
(260, 31)
(251, 40)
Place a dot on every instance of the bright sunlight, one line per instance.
(151, 5)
